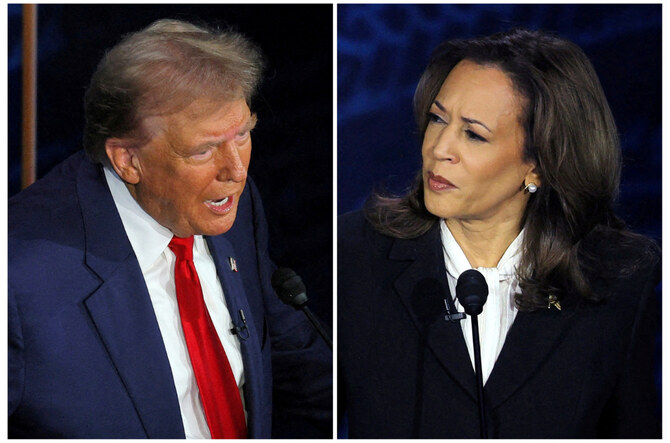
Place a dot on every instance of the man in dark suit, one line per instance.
(101, 315)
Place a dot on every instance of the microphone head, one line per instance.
(472, 291)
(289, 287)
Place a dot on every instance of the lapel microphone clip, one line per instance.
(452, 313)
(241, 331)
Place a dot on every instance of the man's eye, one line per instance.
(242, 136)
(203, 155)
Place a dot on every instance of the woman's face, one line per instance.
(473, 166)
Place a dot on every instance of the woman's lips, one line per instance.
(438, 183)
(221, 206)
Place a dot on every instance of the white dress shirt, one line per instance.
(499, 310)
(150, 241)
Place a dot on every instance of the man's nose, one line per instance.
(231, 166)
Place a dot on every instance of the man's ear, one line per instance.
(123, 158)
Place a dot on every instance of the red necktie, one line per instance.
(216, 382)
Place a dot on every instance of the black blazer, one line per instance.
(404, 372)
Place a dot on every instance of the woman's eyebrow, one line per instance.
(475, 122)
(471, 121)
(439, 105)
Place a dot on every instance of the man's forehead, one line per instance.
(236, 109)
(209, 124)
(209, 116)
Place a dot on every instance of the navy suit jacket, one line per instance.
(404, 371)
(86, 356)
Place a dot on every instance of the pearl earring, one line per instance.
(530, 187)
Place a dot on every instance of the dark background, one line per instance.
(292, 144)
(383, 49)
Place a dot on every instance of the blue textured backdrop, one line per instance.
(383, 49)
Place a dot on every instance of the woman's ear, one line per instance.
(123, 158)
(533, 176)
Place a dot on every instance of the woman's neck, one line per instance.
(483, 244)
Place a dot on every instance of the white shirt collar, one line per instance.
(147, 237)
(457, 262)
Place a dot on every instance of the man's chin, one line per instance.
(219, 228)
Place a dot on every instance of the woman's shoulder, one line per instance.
(612, 257)
(620, 248)
(351, 222)
(362, 239)
(354, 231)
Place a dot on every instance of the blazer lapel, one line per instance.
(532, 337)
(122, 312)
(249, 335)
(423, 288)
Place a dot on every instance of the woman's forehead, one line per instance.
(481, 92)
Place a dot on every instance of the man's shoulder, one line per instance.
(45, 224)
(48, 199)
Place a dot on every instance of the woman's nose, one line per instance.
(445, 145)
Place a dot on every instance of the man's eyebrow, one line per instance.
(251, 122)
(247, 126)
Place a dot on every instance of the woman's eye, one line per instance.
(474, 136)
(434, 118)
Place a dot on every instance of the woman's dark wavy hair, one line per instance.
(570, 135)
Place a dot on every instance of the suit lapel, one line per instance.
(422, 288)
(122, 312)
(250, 344)
(532, 337)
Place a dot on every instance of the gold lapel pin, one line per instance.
(553, 300)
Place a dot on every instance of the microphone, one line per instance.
(472, 291)
(291, 290)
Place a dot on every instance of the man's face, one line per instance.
(192, 173)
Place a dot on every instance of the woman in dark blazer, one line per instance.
(521, 166)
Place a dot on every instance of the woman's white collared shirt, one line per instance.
(499, 310)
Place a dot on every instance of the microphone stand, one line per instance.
(478, 373)
(291, 290)
(320, 329)
(472, 292)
